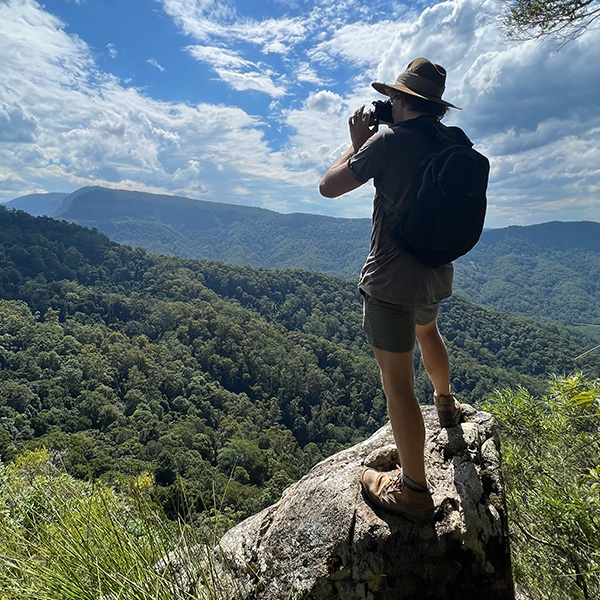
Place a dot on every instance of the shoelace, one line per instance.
(396, 482)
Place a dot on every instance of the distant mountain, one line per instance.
(555, 235)
(550, 270)
(38, 204)
(240, 235)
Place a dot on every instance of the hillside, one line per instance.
(199, 372)
(38, 205)
(549, 271)
(234, 234)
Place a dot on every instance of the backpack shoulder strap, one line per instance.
(437, 132)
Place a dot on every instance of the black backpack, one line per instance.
(444, 213)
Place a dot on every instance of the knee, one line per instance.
(428, 335)
(399, 392)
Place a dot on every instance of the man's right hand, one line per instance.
(360, 131)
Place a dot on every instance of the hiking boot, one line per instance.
(392, 494)
(448, 410)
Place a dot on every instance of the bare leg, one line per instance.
(435, 357)
(405, 413)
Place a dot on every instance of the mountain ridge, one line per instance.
(549, 270)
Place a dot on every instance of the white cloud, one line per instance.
(251, 81)
(219, 57)
(16, 125)
(325, 102)
(534, 111)
(237, 72)
(88, 128)
(306, 73)
(112, 51)
(155, 64)
(358, 43)
(206, 21)
(275, 47)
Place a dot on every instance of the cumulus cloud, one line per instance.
(89, 128)
(531, 109)
(361, 44)
(15, 125)
(324, 101)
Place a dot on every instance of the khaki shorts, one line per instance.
(391, 327)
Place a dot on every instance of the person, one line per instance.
(401, 295)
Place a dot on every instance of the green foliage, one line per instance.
(564, 18)
(227, 383)
(551, 454)
(63, 539)
(186, 404)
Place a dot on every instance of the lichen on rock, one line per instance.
(323, 540)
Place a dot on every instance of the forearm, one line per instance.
(339, 179)
(342, 160)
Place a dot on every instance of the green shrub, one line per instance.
(551, 464)
(64, 539)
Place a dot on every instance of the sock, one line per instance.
(415, 487)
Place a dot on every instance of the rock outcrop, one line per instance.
(322, 540)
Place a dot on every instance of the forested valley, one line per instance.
(545, 271)
(225, 383)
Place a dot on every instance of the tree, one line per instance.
(550, 451)
(565, 19)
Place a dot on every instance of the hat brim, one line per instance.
(388, 90)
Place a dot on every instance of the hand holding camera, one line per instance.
(382, 113)
(361, 127)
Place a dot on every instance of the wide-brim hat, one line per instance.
(422, 79)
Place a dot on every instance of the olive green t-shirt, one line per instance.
(391, 158)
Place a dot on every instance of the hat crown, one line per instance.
(424, 77)
(421, 78)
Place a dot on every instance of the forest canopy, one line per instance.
(225, 383)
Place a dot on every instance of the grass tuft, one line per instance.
(64, 539)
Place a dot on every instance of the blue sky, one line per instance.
(247, 102)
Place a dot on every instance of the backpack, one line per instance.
(444, 214)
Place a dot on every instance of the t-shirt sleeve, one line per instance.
(369, 160)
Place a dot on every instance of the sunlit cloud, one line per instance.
(286, 85)
(154, 63)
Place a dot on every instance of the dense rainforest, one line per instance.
(134, 385)
(226, 383)
(545, 271)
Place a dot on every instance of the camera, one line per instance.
(382, 113)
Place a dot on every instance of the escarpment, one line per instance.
(322, 540)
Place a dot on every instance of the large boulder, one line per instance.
(322, 540)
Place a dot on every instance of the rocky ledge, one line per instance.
(322, 540)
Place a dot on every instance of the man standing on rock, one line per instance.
(401, 294)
